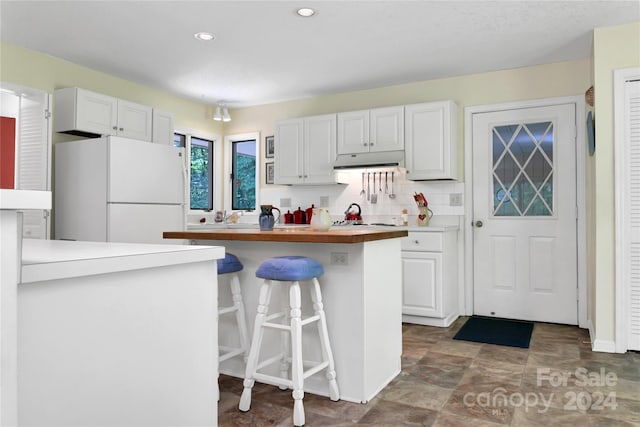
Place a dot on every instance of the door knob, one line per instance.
(478, 224)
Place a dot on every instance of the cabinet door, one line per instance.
(319, 149)
(431, 143)
(95, 113)
(387, 129)
(162, 127)
(134, 120)
(353, 132)
(422, 284)
(288, 158)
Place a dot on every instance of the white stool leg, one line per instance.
(327, 354)
(285, 346)
(297, 369)
(254, 352)
(236, 293)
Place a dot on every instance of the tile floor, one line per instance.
(557, 381)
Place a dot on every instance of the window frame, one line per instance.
(228, 167)
(215, 167)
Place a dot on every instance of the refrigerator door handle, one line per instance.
(187, 191)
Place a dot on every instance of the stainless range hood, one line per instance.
(364, 160)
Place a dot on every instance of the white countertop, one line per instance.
(439, 223)
(24, 199)
(59, 259)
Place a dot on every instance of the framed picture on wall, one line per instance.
(269, 148)
(269, 172)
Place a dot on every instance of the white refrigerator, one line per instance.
(114, 189)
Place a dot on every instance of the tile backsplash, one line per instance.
(342, 195)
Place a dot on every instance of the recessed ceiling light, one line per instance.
(204, 36)
(306, 12)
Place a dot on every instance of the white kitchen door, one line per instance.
(131, 223)
(524, 214)
(143, 172)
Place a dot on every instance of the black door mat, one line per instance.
(489, 330)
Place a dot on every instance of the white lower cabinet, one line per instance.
(430, 278)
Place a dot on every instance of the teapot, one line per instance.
(266, 218)
(320, 219)
(351, 216)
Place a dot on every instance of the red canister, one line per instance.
(288, 218)
(299, 216)
(309, 213)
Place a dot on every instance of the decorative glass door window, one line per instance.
(523, 169)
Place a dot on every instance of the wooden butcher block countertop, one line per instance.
(307, 235)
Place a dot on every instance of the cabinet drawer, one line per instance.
(418, 241)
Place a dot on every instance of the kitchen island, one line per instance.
(116, 334)
(361, 289)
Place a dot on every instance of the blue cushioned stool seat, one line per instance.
(230, 264)
(290, 268)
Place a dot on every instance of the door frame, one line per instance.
(581, 230)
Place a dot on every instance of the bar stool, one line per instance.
(230, 265)
(289, 270)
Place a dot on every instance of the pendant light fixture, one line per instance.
(217, 116)
(221, 114)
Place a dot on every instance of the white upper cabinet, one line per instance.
(431, 146)
(386, 129)
(353, 132)
(305, 150)
(81, 112)
(319, 149)
(134, 121)
(379, 129)
(163, 127)
(288, 157)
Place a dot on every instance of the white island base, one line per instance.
(362, 301)
(117, 334)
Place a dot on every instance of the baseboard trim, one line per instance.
(601, 346)
(430, 321)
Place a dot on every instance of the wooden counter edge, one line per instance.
(339, 236)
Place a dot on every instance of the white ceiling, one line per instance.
(264, 52)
